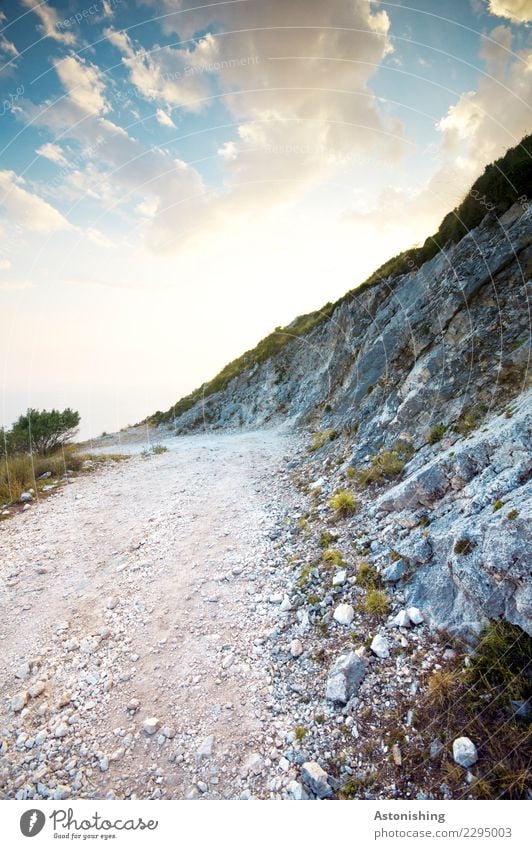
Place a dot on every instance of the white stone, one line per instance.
(464, 752)
(296, 648)
(23, 672)
(205, 750)
(379, 646)
(415, 615)
(19, 701)
(296, 791)
(151, 724)
(286, 605)
(402, 620)
(344, 614)
(316, 778)
(339, 578)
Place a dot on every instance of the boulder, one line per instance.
(345, 677)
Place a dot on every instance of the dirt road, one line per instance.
(143, 585)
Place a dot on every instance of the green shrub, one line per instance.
(343, 502)
(43, 431)
(327, 539)
(368, 577)
(498, 504)
(332, 555)
(386, 464)
(321, 437)
(436, 433)
(377, 602)
(301, 732)
(159, 449)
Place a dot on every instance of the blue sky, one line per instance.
(176, 179)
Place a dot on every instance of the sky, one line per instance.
(177, 179)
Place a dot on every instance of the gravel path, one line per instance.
(132, 587)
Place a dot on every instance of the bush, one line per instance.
(43, 431)
(386, 464)
(436, 433)
(368, 577)
(377, 602)
(319, 439)
(159, 449)
(332, 555)
(327, 539)
(343, 502)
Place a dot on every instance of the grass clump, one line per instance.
(436, 433)
(332, 555)
(463, 546)
(377, 603)
(159, 449)
(321, 437)
(498, 504)
(468, 421)
(475, 701)
(327, 539)
(343, 502)
(301, 732)
(513, 514)
(368, 577)
(386, 464)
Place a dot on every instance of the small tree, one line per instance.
(44, 431)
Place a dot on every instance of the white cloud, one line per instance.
(53, 152)
(50, 25)
(519, 11)
(164, 118)
(28, 209)
(84, 84)
(7, 48)
(161, 75)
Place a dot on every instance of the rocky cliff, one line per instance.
(416, 391)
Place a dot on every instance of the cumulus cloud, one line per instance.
(162, 75)
(83, 83)
(28, 209)
(519, 11)
(50, 23)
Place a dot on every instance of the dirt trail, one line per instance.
(143, 582)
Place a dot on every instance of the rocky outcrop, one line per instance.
(435, 361)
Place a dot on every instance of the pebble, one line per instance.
(151, 725)
(344, 614)
(464, 752)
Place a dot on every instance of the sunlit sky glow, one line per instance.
(176, 180)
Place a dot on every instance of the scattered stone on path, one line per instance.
(316, 779)
(344, 614)
(345, 677)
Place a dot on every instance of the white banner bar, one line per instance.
(356, 824)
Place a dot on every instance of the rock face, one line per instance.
(345, 678)
(436, 359)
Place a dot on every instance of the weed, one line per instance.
(513, 514)
(343, 502)
(377, 603)
(368, 577)
(327, 539)
(332, 555)
(436, 433)
(498, 504)
(463, 546)
(159, 449)
(386, 464)
(301, 732)
(321, 437)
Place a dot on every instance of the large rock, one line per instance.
(316, 779)
(345, 677)
(344, 614)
